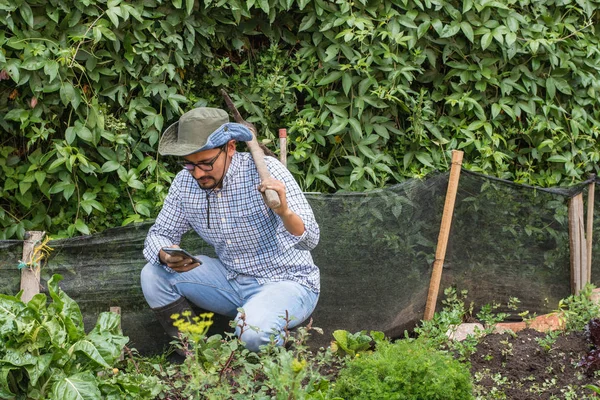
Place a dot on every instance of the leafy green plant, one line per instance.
(577, 310)
(351, 344)
(547, 342)
(407, 369)
(452, 314)
(488, 317)
(45, 352)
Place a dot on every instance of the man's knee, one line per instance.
(157, 290)
(256, 332)
(148, 274)
(255, 338)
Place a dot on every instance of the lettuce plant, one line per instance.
(45, 352)
(591, 361)
(406, 369)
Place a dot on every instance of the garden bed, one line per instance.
(531, 365)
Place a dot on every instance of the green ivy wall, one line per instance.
(371, 92)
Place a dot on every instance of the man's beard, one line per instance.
(208, 183)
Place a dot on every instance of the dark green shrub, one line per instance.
(407, 369)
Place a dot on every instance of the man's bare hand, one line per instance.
(177, 263)
(279, 187)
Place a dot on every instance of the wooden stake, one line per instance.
(30, 277)
(440, 254)
(577, 244)
(283, 146)
(590, 226)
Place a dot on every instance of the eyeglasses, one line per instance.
(204, 166)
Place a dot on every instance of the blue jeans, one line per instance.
(207, 287)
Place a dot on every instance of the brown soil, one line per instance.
(517, 366)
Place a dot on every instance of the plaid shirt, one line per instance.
(248, 237)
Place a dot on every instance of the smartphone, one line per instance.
(176, 251)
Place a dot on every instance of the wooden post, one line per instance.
(30, 277)
(577, 244)
(590, 226)
(440, 254)
(283, 146)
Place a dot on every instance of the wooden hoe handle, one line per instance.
(270, 196)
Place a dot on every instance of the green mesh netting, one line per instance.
(375, 256)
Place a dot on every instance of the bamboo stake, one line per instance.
(590, 226)
(30, 276)
(283, 146)
(440, 254)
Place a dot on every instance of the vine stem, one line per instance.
(83, 40)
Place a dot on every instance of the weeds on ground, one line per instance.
(444, 323)
(220, 367)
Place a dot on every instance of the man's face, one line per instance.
(208, 166)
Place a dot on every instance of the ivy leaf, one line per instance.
(333, 76)
(550, 88)
(24, 199)
(510, 38)
(425, 158)
(337, 126)
(467, 5)
(407, 22)
(338, 110)
(307, 22)
(189, 6)
(450, 30)
(559, 159)
(83, 132)
(12, 67)
(422, 29)
(26, 13)
(467, 31)
(562, 86)
(40, 177)
(82, 228)
(112, 14)
(51, 69)
(356, 126)
(110, 166)
(69, 95)
(264, 5)
(142, 209)
(70, 135)
(33, 63)
(486, 40)
(534, 45)
(24, 187)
